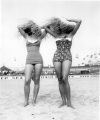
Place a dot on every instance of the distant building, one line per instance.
(74, 70)
(48, 71)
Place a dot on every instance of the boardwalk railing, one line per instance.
(45, 76)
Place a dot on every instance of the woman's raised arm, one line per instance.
(43, 34)
(78, 23)
(50, 32)
(21, 30)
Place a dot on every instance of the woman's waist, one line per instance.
(63, 50)
(33, 48)
(33, 53)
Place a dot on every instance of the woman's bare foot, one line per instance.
(62, 105)
(33, 103)
(26, 103)
(70, 105)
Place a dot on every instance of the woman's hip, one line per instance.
(60, 56)
(34, 58)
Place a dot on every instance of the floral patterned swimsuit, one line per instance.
(63, 51)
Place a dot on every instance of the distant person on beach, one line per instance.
(63, 32)
(33, 35)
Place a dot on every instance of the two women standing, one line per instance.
(62, 60)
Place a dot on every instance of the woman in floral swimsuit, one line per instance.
(62, 60)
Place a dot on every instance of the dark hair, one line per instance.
(28, 31)
(67, 29)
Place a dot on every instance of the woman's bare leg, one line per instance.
(58, 69)
(38, 70)
(28, 72)
(66, 65)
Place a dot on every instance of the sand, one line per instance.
(84, 95)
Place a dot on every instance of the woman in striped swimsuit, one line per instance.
(62, 60)
(34, 62)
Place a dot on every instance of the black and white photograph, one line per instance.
(49, 59)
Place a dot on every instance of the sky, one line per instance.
(15, 12)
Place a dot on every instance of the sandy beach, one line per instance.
(84, 95)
